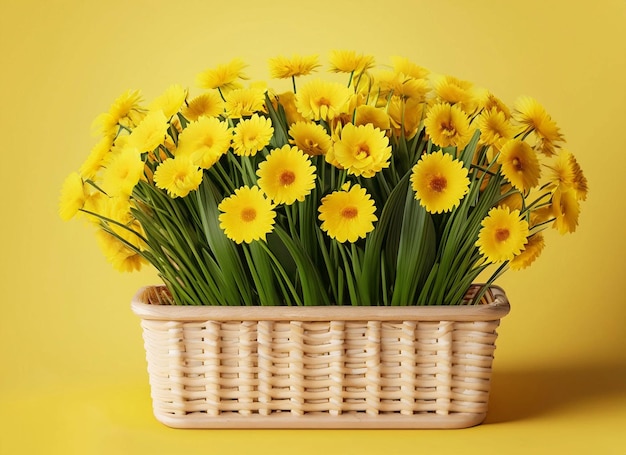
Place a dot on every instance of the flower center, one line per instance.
(517, 164)
(312, 147)
(287, 178)
(349, 212)
(323, 102)
(502, 234)
(363, 151)
(248, 214)
(448, 129)
(438, 183)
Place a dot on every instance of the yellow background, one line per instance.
(72, 370)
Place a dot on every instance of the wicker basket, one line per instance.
(320, 367)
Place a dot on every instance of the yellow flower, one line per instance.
(369, 114)
(310, 137)
(209, 104)
(439, 182)
(150, 133)
(123, 172)
(519, 164)
(566, 210)
(405, 66)
(284, 67)
(457, 92)
(224, 77)
(170, 101)
(347, 215)
(204, 141)
(567, 174)
(494, 127)
(503, 235)
(121, 257)
(73, 196)
(252, 135)
(288, 101)
(491, 102)
(362, 150)
(533, 117)
(531, 251)
(402, 86)
(244, 102)
(344, 61)
(405, 116)
(447, 126)
(125, 111)
(322, 100)
(96, 158)
(248, 215)
(178, 176)
(287, 175)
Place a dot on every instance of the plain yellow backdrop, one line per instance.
(72, 369)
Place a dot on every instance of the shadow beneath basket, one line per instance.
(517, 395)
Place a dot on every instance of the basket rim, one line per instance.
(496, 308)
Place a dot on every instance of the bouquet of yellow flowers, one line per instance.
(370, 187)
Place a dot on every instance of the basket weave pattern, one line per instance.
(210, 370)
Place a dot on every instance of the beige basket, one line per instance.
(320, 367)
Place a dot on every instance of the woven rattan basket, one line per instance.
(320, 367)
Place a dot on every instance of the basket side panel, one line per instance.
(344, 369)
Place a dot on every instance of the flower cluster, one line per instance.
(368, 187)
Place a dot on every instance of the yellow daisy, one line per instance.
(503, 235)
(287, 175)
(566, 209)
(178, 176)
(322, 100)
(224, 77)
(439, 182)
(94, 203)
(150, 133)
(447, 126)
(491, 102)
(96, 158)
(494, 127)
(204, 141)
(531, 251)
(347, 215)
(252, 135)
(123, 172)
(567, 174)
(405, 116)
(248, 215)
(121, 257)
(457, 92)
(288, 102)
(369, 114)
(533, 117)
(209, 104)
(170, 101)
(405, 66)
(363, 150)
(345, 61)
(519, 164)
(73, 196)
(244, 102)
(402, 86)
(125, 110)
(310, 137)
(298, 65)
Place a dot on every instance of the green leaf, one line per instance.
(416, 251)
